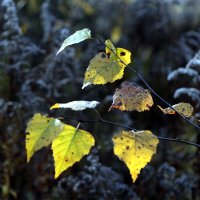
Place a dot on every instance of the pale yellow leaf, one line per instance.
(77, 37)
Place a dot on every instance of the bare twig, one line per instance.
(149, 87)
(101, 120)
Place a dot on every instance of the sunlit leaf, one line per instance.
(131, 97)
(120, 55)
(184, 108)
(102, 70)
(135, 149)
(76, 105)
(69, 147)
(107, 67)
(77, 37)
(41, 130)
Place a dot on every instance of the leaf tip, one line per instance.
(57, 105)
(27, 159)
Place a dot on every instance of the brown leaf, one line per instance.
(131, 97)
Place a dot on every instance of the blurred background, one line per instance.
(164, 38)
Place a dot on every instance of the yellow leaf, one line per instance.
(41, 130)
(69, 147)
(131, 97)
(135, 149)
(120, 55)
(184, 108)
(102, 70)
(56, 105)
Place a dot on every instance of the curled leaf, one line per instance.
(77, 37)
(76, 105)
(69, 147)
(102, 70)
(131, 97)
(41, 130)
(119, 55)
(184, 108)
(135, 149)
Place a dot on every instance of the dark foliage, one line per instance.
(163, 35)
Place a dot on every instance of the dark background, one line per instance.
(164, 38)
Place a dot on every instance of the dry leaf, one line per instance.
(184, 108)
(131, 97)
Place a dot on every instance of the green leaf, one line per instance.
(41, 130)
(69, 147)
(135, 149)
(76, 105)
(77, 37)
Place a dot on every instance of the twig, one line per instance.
(168, 104)
(179, 140)
(101, 120)
(112, 123)
(149, 87)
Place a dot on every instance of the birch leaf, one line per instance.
(184, 108)
(102, 70)
(69, 147)
(135, 149)
(77, 37)
(41, 130)
(76, 105)
(131, 97)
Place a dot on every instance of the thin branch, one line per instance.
(101, 120)
(149, 87)
(112, 123)
(179, 140)
(168, 104)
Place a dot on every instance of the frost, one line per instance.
(194, 63)
(193, 93)
(47, 20)
(11, 24)
(181, 71)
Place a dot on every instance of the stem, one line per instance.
(112, 123)
(168, 104)
(178, 140)
(101, 120)
(149, 87)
